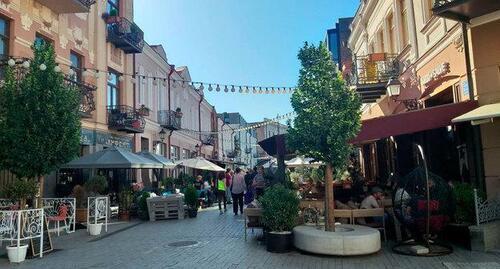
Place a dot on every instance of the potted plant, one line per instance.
(143, 110)
(21, 191)
(142, 201)
(280, 207)
(191, 199)
(95, 187)
(80, 195)
(125, 203)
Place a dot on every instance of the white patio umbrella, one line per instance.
(300, 161)
(201, 164)
(167, 164)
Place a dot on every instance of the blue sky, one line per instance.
(241, 42)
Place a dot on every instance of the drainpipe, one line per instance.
(199, 120)
(172, 69)
(476, 131)
(222, 140)
(134, 98)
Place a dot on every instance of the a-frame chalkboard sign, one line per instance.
(34, 243)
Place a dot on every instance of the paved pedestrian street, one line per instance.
(219, 244)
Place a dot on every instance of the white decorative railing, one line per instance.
(7, 204)
(486, 210)
(98, 208)
(52, 207)
(22, 225)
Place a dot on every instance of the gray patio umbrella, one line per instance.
(113, 158)
(167, 164)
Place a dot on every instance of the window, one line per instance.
(381, 40)
(113, 7)
(404, 22)
(390, 24)
(113, 89)
(174, 152)
(144, 144)
(4, 37)
(41, 40)
(76, 66)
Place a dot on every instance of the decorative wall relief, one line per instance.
(4, 4)
(26, 22)
(458, 42)
(63, 41)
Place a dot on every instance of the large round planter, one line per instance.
(17, 254)
(192, 213)
(279, 242)
(95, 229)
(81, 215)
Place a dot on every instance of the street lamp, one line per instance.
(162, 135)
(393, 87)
(197, 148)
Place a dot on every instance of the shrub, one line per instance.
(21, 190)
(464, 201)
(191, 197)
(125, 199)
(143, 206)
(96, 185)
(280, 208)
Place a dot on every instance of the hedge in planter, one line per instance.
(191, 199)
(280, 208)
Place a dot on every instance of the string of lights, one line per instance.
(198, 85)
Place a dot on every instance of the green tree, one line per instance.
(328, 116)
(39, 118)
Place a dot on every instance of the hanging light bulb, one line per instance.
(218, 88)
(240, 90)
(155, 82)
(201, 88)
(120, 78)
(71, 72)
(232, 88)
(11, 62)
(254, 90)
(210, 87)
(272, 90)
(110, 76)
(57, 69)
(85, 73)
(42, 67)
(226, 89)
(133, 80)
(26, 64)
(97, 74)
(164, 83)
(267, 90)
(247, 89)
(260, 90)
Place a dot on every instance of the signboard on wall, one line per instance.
(91, 137)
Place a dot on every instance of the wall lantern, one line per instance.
(393, 87)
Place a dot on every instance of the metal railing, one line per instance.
(125, 118)
(125, 34)
(21, 225)
(375, 68)
(486, 210)
(52, 207)
(87, 103)
(440, 3)
(169, 119)
(208, 139)
(98, 208)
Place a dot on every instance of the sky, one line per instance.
(240, 42)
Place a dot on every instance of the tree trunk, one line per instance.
(41, 182)
(329, 199)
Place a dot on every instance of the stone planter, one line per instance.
(95, 229)
(279, 242)
(17, 254)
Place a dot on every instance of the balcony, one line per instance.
(125, 34)
(68, 6)
(87, 104)
(371, 74)
(170, 120)
(464, 10)
(208, 140)
(125, 119)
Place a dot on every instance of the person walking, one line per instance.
(238, 188)
(259, 182)
(229, 179)
(221, 192)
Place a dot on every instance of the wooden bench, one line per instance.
(367, 213)
(171, 207)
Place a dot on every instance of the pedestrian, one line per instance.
(229, 179)
(238, 188)
(221, 192)
(259, 182)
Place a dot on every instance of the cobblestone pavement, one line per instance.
(220, 245)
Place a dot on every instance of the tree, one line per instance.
(39, 118)
(328, 116)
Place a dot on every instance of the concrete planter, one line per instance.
(95, 229)
(17, 254)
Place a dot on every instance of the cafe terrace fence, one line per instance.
(486, 210)
(21, 225)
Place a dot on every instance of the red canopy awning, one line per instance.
(411, 122)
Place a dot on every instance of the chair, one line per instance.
(61, 216)
(343, 213)
(252, 219)
(373, 212)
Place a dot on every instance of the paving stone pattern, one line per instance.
(220, 244)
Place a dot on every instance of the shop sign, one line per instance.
(436, 73)
(87, 137)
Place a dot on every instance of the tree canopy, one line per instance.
(328, 112)
(39, 117)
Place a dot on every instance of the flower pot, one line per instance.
(279, 242)
(81, 215)
(17, 254)
(95, 229)
(125, 216)
(192, 213)
(347, 185)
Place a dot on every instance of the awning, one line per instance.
(167, 164)
(482, 114)
(411, 122)
(110, 158)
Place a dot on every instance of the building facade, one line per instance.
(337, 42)
(270, 129)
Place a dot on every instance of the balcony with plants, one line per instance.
(208, 139)
(68, 6)
(87, 90)
(169, 119)
(125, 119)
(124, 34)
(464, 10)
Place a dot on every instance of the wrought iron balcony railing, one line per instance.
(208, 139)
(170, 120)
(68, 6)
(464, 10)
(87, 104)
(125, 34)
(375, 68)
(233, 154)
(126, 119)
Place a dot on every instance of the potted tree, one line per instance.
(20, 191)
(280, 210)
(143, 110)
(80, 195)
(125, 203)
(191, 199)
(96, 187)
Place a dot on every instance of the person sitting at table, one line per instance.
(374, 200)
